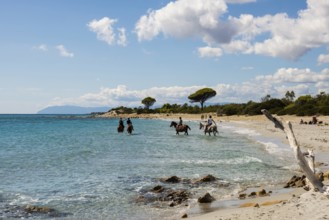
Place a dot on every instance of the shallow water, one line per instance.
(83, 167)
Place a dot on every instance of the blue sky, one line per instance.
(112, 53)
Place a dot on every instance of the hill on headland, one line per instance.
(67, 109)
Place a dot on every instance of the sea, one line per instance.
(83, 168)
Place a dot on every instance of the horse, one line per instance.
(130, 128)
(212, 128)
(180, 128)
(121, 128)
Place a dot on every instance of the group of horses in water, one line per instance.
(184, 128)
(179, 128)
(121, 128)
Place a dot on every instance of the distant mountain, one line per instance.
(66, 109)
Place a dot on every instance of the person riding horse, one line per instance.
(209, 122)
(180, 128)
(180, 123)
(121, 125)
(130, 126)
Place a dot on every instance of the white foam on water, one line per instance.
(233, 161)
(271, 145)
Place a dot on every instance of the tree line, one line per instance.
(305, 105)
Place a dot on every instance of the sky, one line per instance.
(117, 52)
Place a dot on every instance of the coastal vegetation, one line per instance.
(202, 95)
(305, 105)
(148, 102)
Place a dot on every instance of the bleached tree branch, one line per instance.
(303, 164)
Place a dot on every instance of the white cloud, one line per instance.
(209, 52)
(294, 75)
(239, 1)
(42, 47)
(301, 81)
(63, 51)
(122, 38)
(275, 35)
(121, 95)
(105, 31)
(183, 18)
(323, 58)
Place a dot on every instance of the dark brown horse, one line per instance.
(130, 128)
(180, 128)
(121, 128)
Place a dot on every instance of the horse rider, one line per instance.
(130, 125)
(209, 122)
(121, 123)
(129, 122)
(180, 123)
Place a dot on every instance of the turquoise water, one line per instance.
(83, 167)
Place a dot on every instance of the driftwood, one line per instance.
(307, 165)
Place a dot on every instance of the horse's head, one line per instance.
(173, 124)
(201, 125)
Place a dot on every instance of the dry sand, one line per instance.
(297, 204)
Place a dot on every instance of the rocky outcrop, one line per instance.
(173, 179)
(296, 181)
(30, 211)
(206, 179)
(260, 193)
(207, 198)
(162, 194)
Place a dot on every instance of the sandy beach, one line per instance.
(298, 203)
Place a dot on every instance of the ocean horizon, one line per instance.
(81, 167)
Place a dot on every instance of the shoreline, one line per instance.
(282, 205)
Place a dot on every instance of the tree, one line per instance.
(290, 96)
(202, 95)
(148, 102)
(265, 98)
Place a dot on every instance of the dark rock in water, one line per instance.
(161, 194)
(29, 211)
(184, 216)
(173, 179)
(158, 189)
(38, 209)
(206, 179)
(207, 198)
(252, 194)
(178, 196)
(242, 196)
(262, 193)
